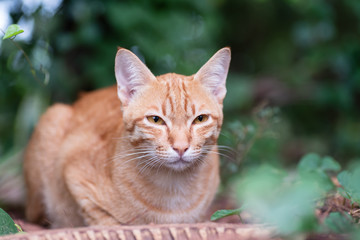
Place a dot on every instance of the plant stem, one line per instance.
(257, 135)
(33, 71)
(240, 218)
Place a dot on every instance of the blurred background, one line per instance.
(293, 85)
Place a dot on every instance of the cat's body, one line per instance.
(151, 157)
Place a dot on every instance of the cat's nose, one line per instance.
(179, 140)
(181, 150)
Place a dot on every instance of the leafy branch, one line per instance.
(11, 32)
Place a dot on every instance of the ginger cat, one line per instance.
(141, 152)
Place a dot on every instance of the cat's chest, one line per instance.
(162, 197)
(172, 194)
(174, 204)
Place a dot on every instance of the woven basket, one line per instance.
(199, 231)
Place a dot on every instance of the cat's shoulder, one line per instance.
(98, 108)
(107, 93)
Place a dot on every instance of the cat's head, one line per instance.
(172, 120)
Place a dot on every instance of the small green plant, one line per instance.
(7, 225)
(225, 213)
(339, 222)
(288, 199)
(11, 32)
(350, 181)
(242, 142)
(314, 166)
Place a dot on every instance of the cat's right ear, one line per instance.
(213, 73)
(131, 74)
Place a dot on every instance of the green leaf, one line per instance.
(343, 193)
(339, 223)
(12, 31)
(350, 182)
(309, 162)
(312, 162)
(329, 164)
(314, 166)
(319, 179)
(355, 234)
(7, 225)
(273, 197)
(225, 213)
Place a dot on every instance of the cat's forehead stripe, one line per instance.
(153, 107)
(193, 108)
(164, 105)
(181, 97)
(185, 96)
(178, 102)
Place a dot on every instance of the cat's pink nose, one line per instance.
(181, 151)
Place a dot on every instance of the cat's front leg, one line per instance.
(89, 197)
(95, 215)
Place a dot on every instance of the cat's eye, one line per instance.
(200, 119)
(156, 120)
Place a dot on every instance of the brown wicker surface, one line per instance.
(199, 231)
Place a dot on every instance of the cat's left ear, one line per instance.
(131, 74)
(213, 73)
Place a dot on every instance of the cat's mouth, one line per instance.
(180, 160)
(179, 164)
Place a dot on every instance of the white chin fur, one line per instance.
(179, 165)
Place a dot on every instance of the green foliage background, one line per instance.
(301, 57)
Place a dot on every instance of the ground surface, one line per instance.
(335, 203)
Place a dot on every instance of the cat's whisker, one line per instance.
(220, 154)
(221, 147)
(121, 156)
(132, 154)
(137, 149)
(148, 166)
(216, 145)
(199, 161)
(145, 161)
(225, 135)
(216, 152)
(225, 150)
(160, 165)
(149, 163)
(139, 157)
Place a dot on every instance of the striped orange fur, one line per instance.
(143, 151)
